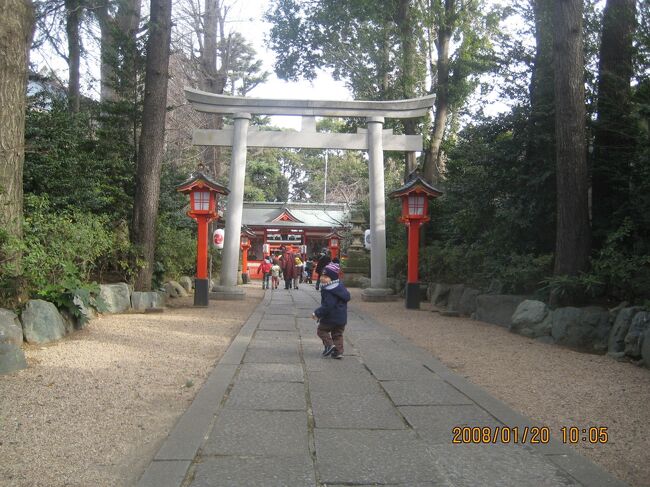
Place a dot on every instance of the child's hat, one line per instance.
(332, 271)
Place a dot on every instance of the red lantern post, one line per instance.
(415, 212)
(203, 208)
(245, 244)
(334, 244)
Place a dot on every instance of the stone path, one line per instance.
(274, 413)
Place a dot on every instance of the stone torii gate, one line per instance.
(374, 140)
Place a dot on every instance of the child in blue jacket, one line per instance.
(332, 315)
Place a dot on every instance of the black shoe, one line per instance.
(336, 354)
(328, 350)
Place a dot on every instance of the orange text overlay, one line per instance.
(527, 434)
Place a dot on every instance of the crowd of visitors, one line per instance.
(290, 268)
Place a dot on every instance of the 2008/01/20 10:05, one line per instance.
(527, 434)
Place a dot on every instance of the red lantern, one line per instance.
(203, 193)
(415, 211)
(245, 244)
(334, 243)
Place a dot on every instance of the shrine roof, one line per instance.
(294, 215)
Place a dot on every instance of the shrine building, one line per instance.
(302, 228)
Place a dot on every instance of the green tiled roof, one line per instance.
(324, 215)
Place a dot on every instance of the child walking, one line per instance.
(275, 275)
(332, 315)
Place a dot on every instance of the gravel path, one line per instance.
(93, 409)
(554, 386)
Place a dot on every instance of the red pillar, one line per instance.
(244, 259)
(334, 251)
(202, 249)
(413, 250)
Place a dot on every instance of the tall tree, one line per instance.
(458, 39)
(539, 164)
(443, 20)
(614, 131)
(150, 157)
(73, 10)
(573, 235)
(541, 144)
(16, 30)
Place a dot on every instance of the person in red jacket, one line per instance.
(265, 270)
(288, 269)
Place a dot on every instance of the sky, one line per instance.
(247, 18)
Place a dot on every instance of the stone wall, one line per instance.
(41, 322)
(623, 332)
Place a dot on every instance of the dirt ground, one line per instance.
(92, 409)
(552, 385)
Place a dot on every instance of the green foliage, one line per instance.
(519, 273)
(61, 245)
(175, 250)
(622, 266)
(66, 160)
(489, 187)
(63, 295)
(264, 181)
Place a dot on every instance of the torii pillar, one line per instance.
(378, 289)
(227, 288)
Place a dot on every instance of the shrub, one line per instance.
(61, 245)
(175, 250)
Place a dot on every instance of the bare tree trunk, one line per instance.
(16, 30)
(614, 130)
(147, 193)
(441, 107)
(573, 235)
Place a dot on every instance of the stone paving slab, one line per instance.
(272, 335)
(277, 396)
(410, 484)
(581, 468)
(422, 392)
(284, 325)
(278, 347)
(355, 411)
(269, 356)
(270, 433)
(348, 365)
(322, 383)
(247, 471)
(278, 310)
(165, 473)
(435, 423)
(373, 457)
(271, 372)
(395, 370)
(496, 466)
